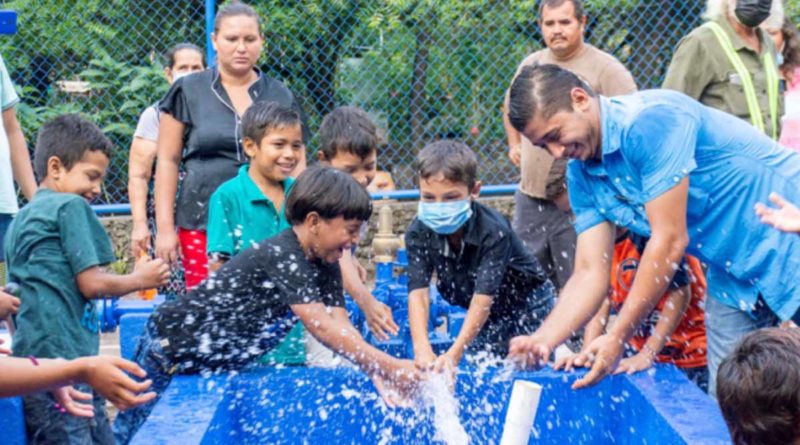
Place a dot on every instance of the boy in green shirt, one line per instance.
(55, 248)
(248, 208)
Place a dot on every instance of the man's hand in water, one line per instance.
(604, 353)
(447, 363)
(786, 217)
(529, 351)
(397, 386)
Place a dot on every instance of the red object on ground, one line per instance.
(193, 256)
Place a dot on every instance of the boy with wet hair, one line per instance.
(349, 142)
(56, 249)
(480, 263)
(249, 208)
(758, 388)
(254, 299)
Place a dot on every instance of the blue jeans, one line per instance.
(725, 326)
(46, 424)
(151, 357)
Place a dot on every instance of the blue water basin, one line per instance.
(324, 406)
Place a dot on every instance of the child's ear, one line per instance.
(476, 190)
(54, 167)
(250, 147)
(313, 222)
(321, 158)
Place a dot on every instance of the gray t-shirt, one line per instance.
(147, 128)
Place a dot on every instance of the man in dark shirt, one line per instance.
(253, 300)
(479, 261)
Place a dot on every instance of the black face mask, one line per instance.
(752, 12)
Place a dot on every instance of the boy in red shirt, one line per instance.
(674, 332)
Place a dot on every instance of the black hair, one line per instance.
(541, 90)
(758, 388)
(451, 158)
(577, 4)
(67, 137)
(169, 56)
(328, 192)
(791, 49)
(349, 130)
(263, 116)
(235, 9)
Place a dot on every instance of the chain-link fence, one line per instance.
(424, 69)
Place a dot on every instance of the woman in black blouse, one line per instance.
(200, 120)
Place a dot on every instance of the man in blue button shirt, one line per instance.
(688, 176)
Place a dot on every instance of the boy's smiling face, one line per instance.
(84, 178)
(361, 169)
(331, 237)
(278, 153)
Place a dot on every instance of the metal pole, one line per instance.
(210, 13)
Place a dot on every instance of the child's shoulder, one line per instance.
(52, 203)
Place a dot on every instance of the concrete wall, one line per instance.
(119, 227)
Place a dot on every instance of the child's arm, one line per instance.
(9, 305)
(419, 303)
(668, 321)
(95, 282)
(219, 243)
(595, 328)
(379, 316)
(477, 314)
(785, 217)
(332, 327)
(105, 374)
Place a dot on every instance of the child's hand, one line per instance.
(448, 364)
(582, 359)
(424, 361)
(639, 362)
(106, 374)
(380, 320)
(398, 384)
(786, 217)
(72, 401)
(151, 273)
(9, 305)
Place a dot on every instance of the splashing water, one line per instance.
(436, 395)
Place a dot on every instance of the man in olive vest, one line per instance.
(729, 63)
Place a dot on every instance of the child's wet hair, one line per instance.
(348, 130)
(758, 388)
(453, 159)
(67, 137)
(328, 192)
(262, 117)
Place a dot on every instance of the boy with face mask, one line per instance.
(480, 263)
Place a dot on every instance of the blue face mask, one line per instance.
(445, 218)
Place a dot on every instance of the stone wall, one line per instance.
(119, 227)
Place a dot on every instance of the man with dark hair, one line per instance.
(758, 388)
(665, 166)
(539, 217)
